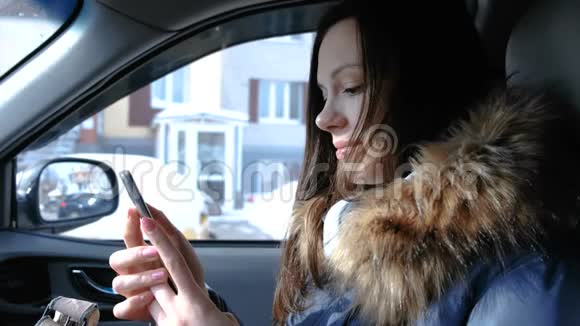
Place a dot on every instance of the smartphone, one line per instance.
(134, 193)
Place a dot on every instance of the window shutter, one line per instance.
(253, 105)
(88, 133)
(140, 112)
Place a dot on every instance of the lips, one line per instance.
(342, 148)
(340, 144)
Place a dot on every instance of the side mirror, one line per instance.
(67, 192)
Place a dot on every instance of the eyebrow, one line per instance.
(343, 67)
(338, 70)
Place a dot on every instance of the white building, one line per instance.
(235, 118)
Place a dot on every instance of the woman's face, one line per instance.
(340, 77)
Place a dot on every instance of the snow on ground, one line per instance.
(268, 215)
(269, 212)
(270, 218)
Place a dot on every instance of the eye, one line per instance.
(352, 90)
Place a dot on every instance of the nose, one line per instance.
(330, 120)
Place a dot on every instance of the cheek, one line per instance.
(353, 107)
(372, 171)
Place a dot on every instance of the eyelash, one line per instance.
(352, 90)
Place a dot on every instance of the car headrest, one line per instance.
(544, 49)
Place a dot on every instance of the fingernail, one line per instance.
(150, 252)
(158, 275)
(148, 224)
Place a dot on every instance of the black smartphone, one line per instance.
(134, 193)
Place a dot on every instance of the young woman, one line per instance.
(429, 195)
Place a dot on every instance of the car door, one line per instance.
(212, 91)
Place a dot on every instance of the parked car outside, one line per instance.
(79, 204)
(161, 186)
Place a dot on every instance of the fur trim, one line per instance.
(471, 197)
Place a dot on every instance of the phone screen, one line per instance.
(134, 193)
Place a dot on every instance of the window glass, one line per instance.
(181, 151)
(159, 89)
(280, 99)
(211, 170)
(171, 90)
(296, 101)
(179, 85)
(165, 140)
(217, 145)
(264, 98)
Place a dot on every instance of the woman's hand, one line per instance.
(191, 304)
(140, 266)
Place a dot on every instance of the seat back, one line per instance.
(544, 49)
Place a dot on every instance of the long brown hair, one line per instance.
(423, 65)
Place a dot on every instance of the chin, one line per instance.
(361, 176)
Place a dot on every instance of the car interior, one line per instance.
(113, 48)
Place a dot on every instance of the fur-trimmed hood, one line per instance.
(472, 197)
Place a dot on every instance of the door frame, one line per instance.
(192, 130)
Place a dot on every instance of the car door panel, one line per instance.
(35, 268)
(103, 55)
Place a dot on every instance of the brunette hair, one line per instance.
(424, 64)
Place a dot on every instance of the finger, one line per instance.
(167, 226)
(133, 236)
(128, 285)
(165, 296)
(172, 259)
(157, 313)
(135, 307)
(175, 236)
(182, 244)
(133, 260)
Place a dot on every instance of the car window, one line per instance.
(27, 24)
(217, 145)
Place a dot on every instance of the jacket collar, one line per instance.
(471, 197)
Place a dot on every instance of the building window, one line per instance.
(171, 89)
(280, 101)
(159, 89)
(181, 168)
(89, 123)
(166, 143)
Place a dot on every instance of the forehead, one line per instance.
(340, 46)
